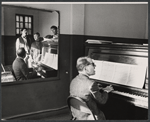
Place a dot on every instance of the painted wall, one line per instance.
(77, 19)
(112, 20)
(46, 20)
(125, 20)
(2, 21)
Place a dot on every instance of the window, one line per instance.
(24, 21)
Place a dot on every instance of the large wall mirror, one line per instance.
(42, 29)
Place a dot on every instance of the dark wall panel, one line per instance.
(78, 49)
(9, 49)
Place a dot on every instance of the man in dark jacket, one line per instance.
(88, 90)
(20, 68)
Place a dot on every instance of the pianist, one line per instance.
(88, 90)
(20, 68)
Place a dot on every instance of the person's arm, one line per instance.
(55, 38)
(17, 44)
(108, 88)
(100, 96)
(31, 51)
(26, 73)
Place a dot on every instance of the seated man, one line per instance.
(20, 68)
(88, 90)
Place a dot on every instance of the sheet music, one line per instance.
(44, 51)
(125, 74)
(107, 71)
(51, 60)
(137, 74)
(54, 64)
(121, 73)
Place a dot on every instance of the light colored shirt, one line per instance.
(25, 46)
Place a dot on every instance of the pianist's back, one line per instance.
(125, 102)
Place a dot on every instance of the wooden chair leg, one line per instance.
(73, 118)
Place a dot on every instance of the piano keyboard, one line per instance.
(140, 101)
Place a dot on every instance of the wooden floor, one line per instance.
(62, 114)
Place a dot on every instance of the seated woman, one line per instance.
(36, 48)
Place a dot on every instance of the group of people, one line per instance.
(81, 86)
(29, 52)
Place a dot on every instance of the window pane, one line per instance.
(21, 25)
(26, 19)
(21, 19)
(26, 25)
(29, 19)
(17, 18)
(17, 31)
(17, 24)
(30, 25)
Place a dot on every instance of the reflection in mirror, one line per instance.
(30, 40)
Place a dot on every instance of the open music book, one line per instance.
(51, 60)
(125, 74)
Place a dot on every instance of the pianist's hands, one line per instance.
(108, 89)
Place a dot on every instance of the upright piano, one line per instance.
(125, 102)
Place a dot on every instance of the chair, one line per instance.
(80, 105)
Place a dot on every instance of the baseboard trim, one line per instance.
(38, 115)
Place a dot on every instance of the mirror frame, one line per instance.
(36, 79)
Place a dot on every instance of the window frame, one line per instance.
(23, 16)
